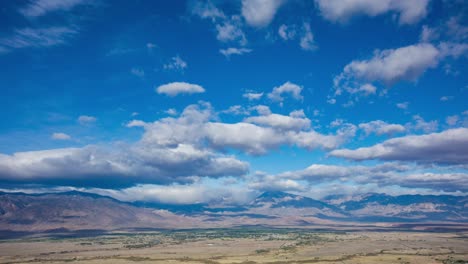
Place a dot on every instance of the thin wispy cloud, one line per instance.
(86, 120)
(37, 37)
(234, 51)
(176, 64)
(39, 8)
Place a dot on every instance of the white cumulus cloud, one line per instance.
(176, 88)
(293, 90)
(409, 12)
(252, 96)
(60, 136)
(259, 13)
(447, 147)
(380, 127)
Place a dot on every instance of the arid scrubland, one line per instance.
(241, 246)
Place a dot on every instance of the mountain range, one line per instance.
(20, 212)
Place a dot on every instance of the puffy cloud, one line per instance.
(252, 96)
(383, 176)
(247, 137)
(41, 7)
(270, 183)
(177, 163)
(171, 150)
(228, 29)
(380, 127)
(257, 140)
(196, 126)
(188, 128)
(320, 172)
(337, 122)
(171, 111)
(262, 109)
(421, 125)
(386, 66)
(60, 136)
(447, 147)
(305, 35)
(291, 122)
(311, 139)
(176, 63)
(305, 139)
(181, 194)
(206, 9)
(341, 11)
(97, 166)
(86, 120)
(438, 181)
(231, 30)
(392, 65)
(324, 172)
(236, 110)
(297, 114)
(365, 89)
(277, 95)
(287, 32)
(259, 13)
(68, 163)
(234, 51)
(176, 88)
(136, 123)
(300, 179)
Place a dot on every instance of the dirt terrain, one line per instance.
(246, 246)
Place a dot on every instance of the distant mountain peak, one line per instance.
(75, 210)
(79, 193)
(274, 194)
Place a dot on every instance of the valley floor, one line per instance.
(247, 246)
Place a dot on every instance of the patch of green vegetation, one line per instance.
(288, 247)
(262, 251)
(452, 260)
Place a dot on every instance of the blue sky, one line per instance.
(232, 98)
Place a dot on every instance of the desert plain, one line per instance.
(243, 245)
